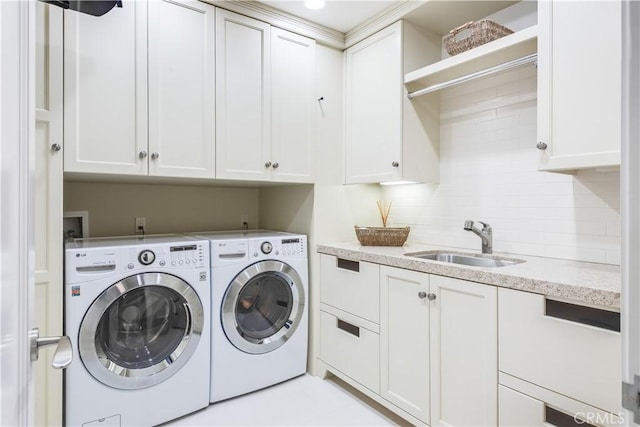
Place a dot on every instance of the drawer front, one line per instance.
(524, 404)
(352, 349)
(571, 357)
(351, 286)
(517, 409)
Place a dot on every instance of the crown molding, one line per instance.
(381, 20)
(278, 18)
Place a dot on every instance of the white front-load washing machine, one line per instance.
(259, 295)
(137, 311)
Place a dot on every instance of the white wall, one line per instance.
(488, 172)
(167, 208)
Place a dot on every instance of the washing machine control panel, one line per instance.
(294, 246)
(173, 256)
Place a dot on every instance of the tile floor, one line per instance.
(302, 401)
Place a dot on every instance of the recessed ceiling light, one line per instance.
(314, 4)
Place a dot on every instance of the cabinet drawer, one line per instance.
(567, 355)
(352, 286)
(352, 349)
(524, 404)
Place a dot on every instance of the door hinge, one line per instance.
(631, 398)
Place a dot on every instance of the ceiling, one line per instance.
(341, 15)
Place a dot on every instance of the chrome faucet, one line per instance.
(486, 234)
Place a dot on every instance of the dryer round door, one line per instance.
(141, 330)
(263, 307)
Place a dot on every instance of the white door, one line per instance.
(630, 208)
(373, 109)
(48, 208)
(464, 353)
(181, 89)
(404, 340)
(17, 121)
(17, 263)
(293, 106)
(105, 91)
(243, 85)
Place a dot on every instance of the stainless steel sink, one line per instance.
(466, 259)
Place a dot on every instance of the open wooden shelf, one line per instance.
(503, 50)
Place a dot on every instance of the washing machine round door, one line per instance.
(263, 306)
(141, 330)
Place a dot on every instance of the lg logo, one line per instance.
(78, 255)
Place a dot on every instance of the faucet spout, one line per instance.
(485, 234)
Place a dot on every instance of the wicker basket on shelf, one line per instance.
(474, 34)
(382, 236)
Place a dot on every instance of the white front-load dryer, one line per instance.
(137, 311)
(259, 310)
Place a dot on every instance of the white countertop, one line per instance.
(580, 282)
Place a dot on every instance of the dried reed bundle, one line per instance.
(384, 208)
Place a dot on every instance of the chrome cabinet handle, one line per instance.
(267, 165)
(56, 147)
(541, 145)
(395, 164)
(63, 355)
(276, 165)
(422, 294)
(431, 296)
(142, 155)
(154, 155)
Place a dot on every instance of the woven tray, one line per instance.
(474, 34)
(382, 236)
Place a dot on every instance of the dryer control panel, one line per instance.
(295, 246)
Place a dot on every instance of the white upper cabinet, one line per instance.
(265, 80)
(139, 90)
(181, 89)
(579, 84)
(386, 139)
(105, 91)
(243, 82)
(293, 106)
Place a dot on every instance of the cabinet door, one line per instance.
(579, 84)
(48, 209)
(181, 89)
(243, 96)
(105, 91)
(464, 353)
(293, 106)
(373, 112)
(404, 340)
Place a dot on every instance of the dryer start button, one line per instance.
(146, 257)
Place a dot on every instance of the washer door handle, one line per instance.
(64, 352)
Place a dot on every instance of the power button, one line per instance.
(146, 257)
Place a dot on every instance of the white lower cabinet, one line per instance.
(464, 353)
(431, 353)
(404, 340)
(523, 404)
(434, 349)
(562, 347)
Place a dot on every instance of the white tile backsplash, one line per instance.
(488, 172)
